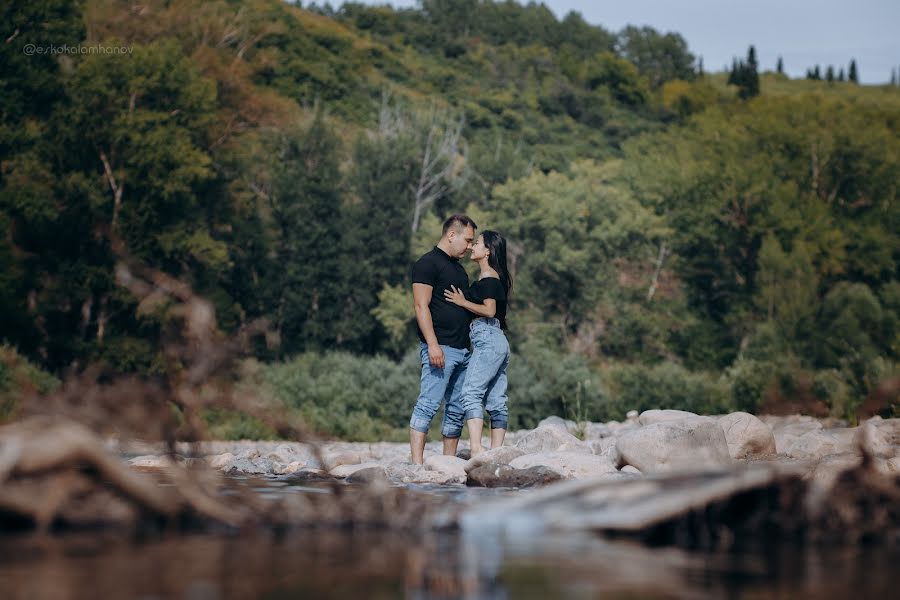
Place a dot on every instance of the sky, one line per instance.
(803, 32)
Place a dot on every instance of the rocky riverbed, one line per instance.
(652, 443)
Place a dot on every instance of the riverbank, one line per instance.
(654, 442)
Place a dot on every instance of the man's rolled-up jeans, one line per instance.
(441, 384)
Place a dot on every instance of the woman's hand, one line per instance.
(455, 296)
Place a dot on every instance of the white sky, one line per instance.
(803, 32)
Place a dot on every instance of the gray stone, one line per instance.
(220, 461)
(550, 439)
(555, 421)
(251, 466)
(452, 465)
(606, 447)
(496, 475)
(596, 431)
(819, 443)
(369, 475)
(569, 465)
(747, 436)
(286, 469)
(694, 443)
(150, 462)
(649, 417)
(348, 470)
(631, 469)
(501, 455)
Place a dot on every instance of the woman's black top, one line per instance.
(490, 287)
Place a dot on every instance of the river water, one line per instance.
(449, 563)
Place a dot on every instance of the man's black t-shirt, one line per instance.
(451, 322)
(490, 287)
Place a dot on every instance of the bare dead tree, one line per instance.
(442, 151)
(660, 260)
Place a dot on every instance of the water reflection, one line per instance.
(479, 562)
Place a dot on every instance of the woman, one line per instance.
(486, 381)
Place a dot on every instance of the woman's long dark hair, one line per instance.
(496, 247)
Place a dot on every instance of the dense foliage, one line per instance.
(678, 239)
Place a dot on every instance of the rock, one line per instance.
(632, 415)
(501, 456)
(286, 469)
(220, 461)
(369, 475)
(747, 436)
(336, 459)
(596, 431)
(606, 447)
(787, 429)
(890, 428)
(819, 443)
(875, 440)
(630, 469)
(496, 475)
(569, 465)
(348, 470)
(555, 421)
(827, 470)
(283, 453)
(251, 466)
(451, 465)
(694, 443)
(649, 417)
(550, 439)
(150, 462)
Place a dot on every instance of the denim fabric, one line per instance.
(486, 380)
(438, 384)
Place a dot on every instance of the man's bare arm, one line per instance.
(421, 300)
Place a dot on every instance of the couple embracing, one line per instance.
(450, 314)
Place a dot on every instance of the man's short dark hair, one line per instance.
(458, 222)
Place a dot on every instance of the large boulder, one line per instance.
(550, 438)
(649, 417)
(494, 475)
(747, 436)
(500, 456)
(568, 464)
(693, 443)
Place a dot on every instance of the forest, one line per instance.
(708, 241)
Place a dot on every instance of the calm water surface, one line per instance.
(444, 564)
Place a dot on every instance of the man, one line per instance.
(443, 335)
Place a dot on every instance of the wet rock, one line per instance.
(694, 443)
(286, 469)
(496, 475)
(501, 456)
(369, 475)
(649, 417)
(550, 439)
(567, 464)
(747, 436)
(451, 465)
(347, 470)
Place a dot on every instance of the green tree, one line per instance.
(852, 73)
